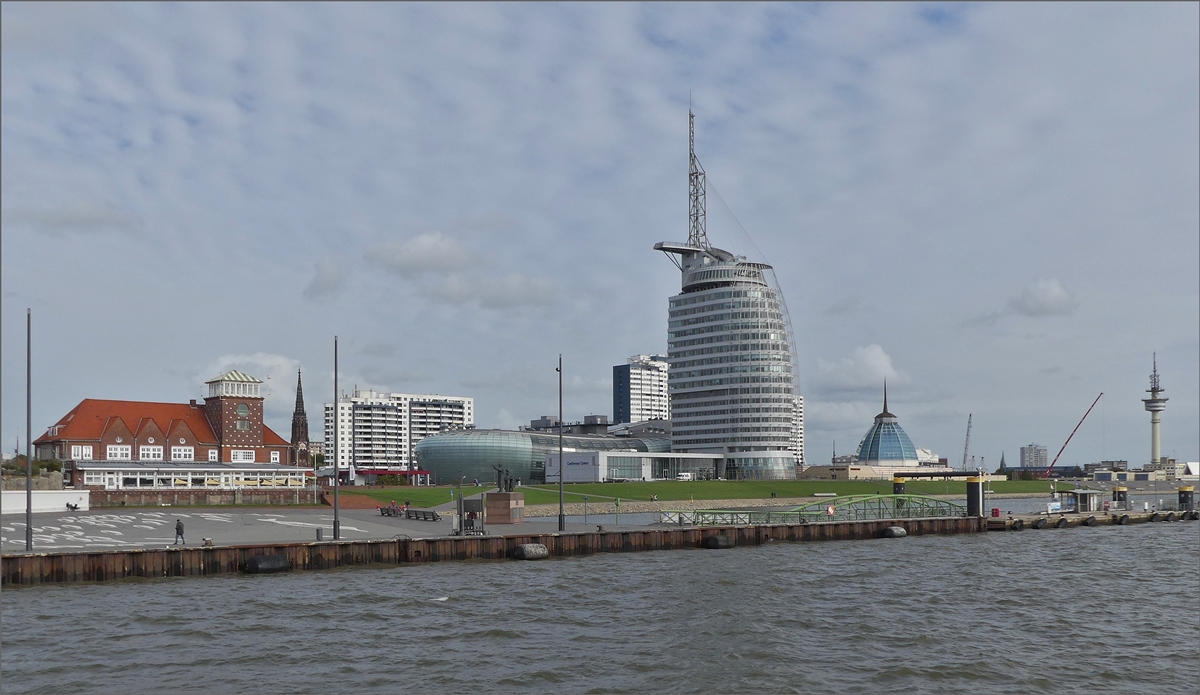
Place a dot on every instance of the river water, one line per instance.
(1099, 610)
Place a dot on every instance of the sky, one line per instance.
(994, 207)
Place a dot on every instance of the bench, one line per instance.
(422, 515)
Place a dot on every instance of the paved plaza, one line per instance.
(107, 529)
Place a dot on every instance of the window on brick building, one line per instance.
(81, 452)
(183, 453)
(243, 425)
(212, 454)
(274, 457)
(150, 453)
(119, 452)
(242, 456)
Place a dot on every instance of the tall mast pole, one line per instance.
(28, 429)
(562, 469)
(337, 454)
(697, 234)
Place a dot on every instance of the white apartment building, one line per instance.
(797, 447)
(640, 390)
(1034, 456)
(379, 430)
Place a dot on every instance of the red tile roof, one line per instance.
(87, 420)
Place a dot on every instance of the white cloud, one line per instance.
(433, 252)
(1037, 300)
(327, 279)
(1044, 298)
(863, 371)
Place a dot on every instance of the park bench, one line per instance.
(418, 514)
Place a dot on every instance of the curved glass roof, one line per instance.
(886, 440)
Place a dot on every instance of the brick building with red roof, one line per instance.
(227, 428)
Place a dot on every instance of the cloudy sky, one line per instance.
(996, 207)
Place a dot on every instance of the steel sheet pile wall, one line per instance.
(51, 568)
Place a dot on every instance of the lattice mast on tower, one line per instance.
(697, 234)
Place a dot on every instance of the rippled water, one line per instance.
(1101, 610)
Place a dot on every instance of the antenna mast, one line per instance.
(697, 234)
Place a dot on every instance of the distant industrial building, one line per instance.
(1034, 456)
(730, 354)
(640, 390)
(377, 431)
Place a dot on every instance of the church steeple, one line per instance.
(299, 452)
(299, 396)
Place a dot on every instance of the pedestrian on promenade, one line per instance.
(179, 532)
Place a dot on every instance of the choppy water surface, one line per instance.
(1110, 609)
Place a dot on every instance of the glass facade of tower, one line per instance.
(730, 357)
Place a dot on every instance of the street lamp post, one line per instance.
(337, 524)
(28, 429)
(562, 469)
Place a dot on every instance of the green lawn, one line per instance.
(699, 490)
(721, 489)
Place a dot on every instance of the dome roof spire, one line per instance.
(885, 412)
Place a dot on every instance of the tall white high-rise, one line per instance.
(379, 430)
(798, 431)
(1034, 456)
(729, 347)
(640, 390)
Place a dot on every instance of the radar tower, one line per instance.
(1155, 404)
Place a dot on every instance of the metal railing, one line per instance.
(852, 508)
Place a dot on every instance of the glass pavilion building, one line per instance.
(886, 443)
(472, 454)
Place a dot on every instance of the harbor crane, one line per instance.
(967, 445)
(1064, 446)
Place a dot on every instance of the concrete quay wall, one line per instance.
(60, 568)
(187, 497)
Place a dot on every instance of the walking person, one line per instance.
(179, 533)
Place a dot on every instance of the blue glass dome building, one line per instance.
(886, 443)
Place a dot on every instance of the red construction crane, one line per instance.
(1064, 446)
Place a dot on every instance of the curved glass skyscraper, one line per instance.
(730, 354)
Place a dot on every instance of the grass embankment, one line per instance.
(421, 496)
(759, 489)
